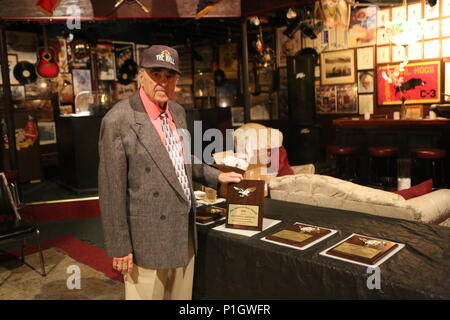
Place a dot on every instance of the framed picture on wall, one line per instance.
(337, 67)
(326, 99)
(415, 11)
(383, 54)
(383, 16)
(382, 37)
(362, 29)
(414, 111)
(421, 84)
(445, 8)
(347, 98)
(365, 58)
(47, 133)
(365, 103)
(365, 81)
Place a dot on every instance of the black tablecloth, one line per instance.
(230, 266)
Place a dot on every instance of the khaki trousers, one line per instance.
(159, 284)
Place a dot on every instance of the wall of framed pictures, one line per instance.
(374, 53)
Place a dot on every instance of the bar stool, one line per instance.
(429, 163)
(345, 162)
(383, 166)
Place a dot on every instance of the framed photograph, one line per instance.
(362, 29)
(383, 16)
(105, 61)
(365, 103)
(415, 11)
(41, 109)
(398, 54)
(81, 80)
(445, 8)
(286, 46)
(365, 58)
(431, 12)
(237, 116)
(421, 84)
(398, 13)
(382, 37)
(204, 85)
(326, 99)
(337, 67)
(365, 81)
(123, 51)
(432, 29)
(347, 98)
(415, 51)
(47, 133)
(383, 54)
(431, 49)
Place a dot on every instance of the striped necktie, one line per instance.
(174, 150)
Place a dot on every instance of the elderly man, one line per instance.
(145, 188)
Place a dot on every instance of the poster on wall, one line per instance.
(363, 27)
(287, 46)
(105, 61)
(81, 80)
(123, 51)
(421, 84)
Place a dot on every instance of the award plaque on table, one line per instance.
(362, 249)
(245, 208)
(207, 214)
(300, 235)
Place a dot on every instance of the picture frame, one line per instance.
(47, 133)
(446, 47)
(105, 61)
(445, 27)
(365, 58)
(81, 80)
(431, 12)
(398, 13)
(382, 37)
(415, 11)
(415, 51)
(237, 116)
(431, 49)
(325, 99)
(365, 102)
(433, 29)
(347, 98)
(122, 52)
(414, 111)
(365, 81)
(421, 84)
(337, 67)
(17, 93)
(398, 53)
(383, 16)
(362, 29)
(383, 54)
(445, 8)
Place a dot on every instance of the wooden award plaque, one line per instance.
(245, 208)
(299, 235)
(206, 214)
(363, 249)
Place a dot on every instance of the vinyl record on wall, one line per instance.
(25, 72)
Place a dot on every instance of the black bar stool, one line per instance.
(383, 167)
(429, 163)
(345, 162)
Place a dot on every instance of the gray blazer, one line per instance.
(143, 207)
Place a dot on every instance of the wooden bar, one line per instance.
(389, 123)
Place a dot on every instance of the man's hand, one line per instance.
(227, 177)
(123, 264)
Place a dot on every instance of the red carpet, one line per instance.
(61, 211)
(80, 251)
